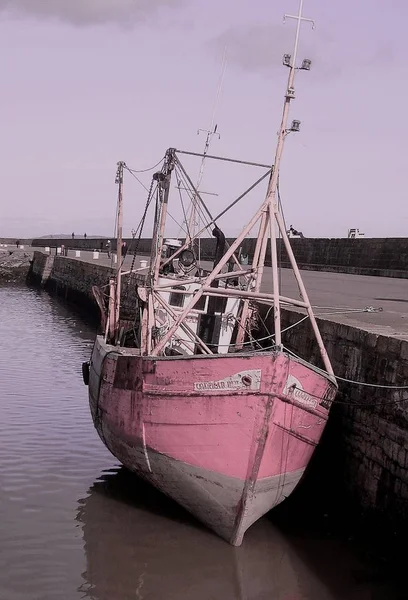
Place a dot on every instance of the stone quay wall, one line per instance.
(73, 279)
(364, 450)
(384, 257)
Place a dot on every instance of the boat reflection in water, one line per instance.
(141, 545)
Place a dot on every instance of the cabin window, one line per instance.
(201, 303)
(177, 299)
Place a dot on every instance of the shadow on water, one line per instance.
(343, 545)
(139, 544)
(84, 312)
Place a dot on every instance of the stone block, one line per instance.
(404, 350)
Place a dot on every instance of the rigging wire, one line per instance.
(146, 170)
(352, 381)
(203, 216)
(176, 222)
(140, 227)
(182, 203)
(194, 217)
(137, 178)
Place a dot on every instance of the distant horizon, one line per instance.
(129, 237)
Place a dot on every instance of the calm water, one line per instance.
(73, 524)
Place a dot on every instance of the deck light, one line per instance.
(286, 60)
(306, 64)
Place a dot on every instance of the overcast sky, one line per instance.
(86, 83)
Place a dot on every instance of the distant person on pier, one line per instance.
(84, 236)
(293, 232)
(108, 248)
(101, 246)
(124, 249)
(73, 235)
(18, 243)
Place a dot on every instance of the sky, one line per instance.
(87, 83)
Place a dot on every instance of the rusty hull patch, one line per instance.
(127, 373)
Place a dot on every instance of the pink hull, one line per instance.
(227, 437)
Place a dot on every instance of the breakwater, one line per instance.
(383, 257)
(14, 265)
(364, 453)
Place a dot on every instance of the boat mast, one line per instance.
(269, 217)
(268, 222)
(119, 219)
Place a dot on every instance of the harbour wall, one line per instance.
(11, 241)
(383, 257)
(364, 451)
(363, 455)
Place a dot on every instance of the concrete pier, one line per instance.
(383, 257)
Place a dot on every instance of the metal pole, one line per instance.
(275, 280)
(271, 193)
(162, 223)
(224, 159)
(119, 181)
(304, 295)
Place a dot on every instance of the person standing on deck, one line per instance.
(108, 248)
(124, 249)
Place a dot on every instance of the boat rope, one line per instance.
(346, 309)
(176, 222)
(271, 335)
(182, 203)
(146, 170)
(354, 310)
(137, 178)
(201, 212)
(147, 189)
(367, 309)
(352, 381)
(140, 229)
(256, 340)
(366, 404)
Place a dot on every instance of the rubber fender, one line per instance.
(85, 372)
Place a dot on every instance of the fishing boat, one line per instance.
(187, 391)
